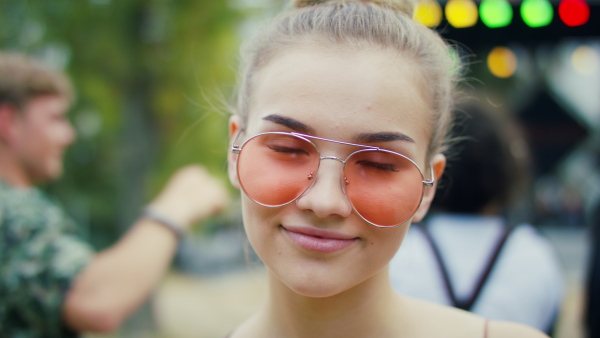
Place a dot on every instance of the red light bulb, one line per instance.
(574, 12)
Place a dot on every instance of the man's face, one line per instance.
(42, 132)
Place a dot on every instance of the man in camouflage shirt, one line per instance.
(39, 257)
(51, 282)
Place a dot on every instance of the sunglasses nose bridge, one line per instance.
(343, 180)
(323, 196)
(332, 158)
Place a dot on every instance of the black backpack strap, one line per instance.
(468, 304)
(441, 266)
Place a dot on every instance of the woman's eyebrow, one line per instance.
(360, 138)
(290, 123)
(382, 137)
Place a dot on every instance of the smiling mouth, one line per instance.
(318, 240)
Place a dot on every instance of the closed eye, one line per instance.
(287, 150)
(378, 165)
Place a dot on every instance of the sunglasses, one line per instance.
(385, 188)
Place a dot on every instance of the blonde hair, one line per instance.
(23, 78)
(360, 24)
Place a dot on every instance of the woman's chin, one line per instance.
(316, 287)
(315, 291)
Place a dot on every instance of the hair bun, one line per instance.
(402, 6)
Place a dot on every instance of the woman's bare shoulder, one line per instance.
(500, 329)
(434, 320)
(452, 322)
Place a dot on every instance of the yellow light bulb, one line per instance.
(428, 12)
(502, 62)
(461, 13)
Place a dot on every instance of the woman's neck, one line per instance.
(368, 309)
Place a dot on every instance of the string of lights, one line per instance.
(493, 25)
(500, 13)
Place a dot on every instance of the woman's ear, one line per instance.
(438, 164)
(235, 127)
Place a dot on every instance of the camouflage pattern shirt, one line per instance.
(40, 255)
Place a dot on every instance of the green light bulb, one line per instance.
(537, 13)
(495, 13)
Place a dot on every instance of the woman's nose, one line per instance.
(326, 197)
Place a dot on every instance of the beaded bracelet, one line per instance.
(151, 214)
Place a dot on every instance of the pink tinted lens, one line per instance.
(384, 188)
(275, 169)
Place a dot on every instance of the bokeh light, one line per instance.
(585, 60)
(502, 62)
(428, 12)
(461, 13)
(574, 12)
(537, 13)
(496, 13)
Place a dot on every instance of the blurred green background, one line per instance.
(153, 79)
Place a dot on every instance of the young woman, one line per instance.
(336, 145)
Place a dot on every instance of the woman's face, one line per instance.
(318, 246)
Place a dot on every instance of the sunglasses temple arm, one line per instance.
(235, 148)
(429, 183)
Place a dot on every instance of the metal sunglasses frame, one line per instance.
(237, 149)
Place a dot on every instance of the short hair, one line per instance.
(489, 164)
(23, 78)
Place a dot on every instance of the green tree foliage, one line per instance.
(143, 70)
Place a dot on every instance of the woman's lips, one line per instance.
(318, 240)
